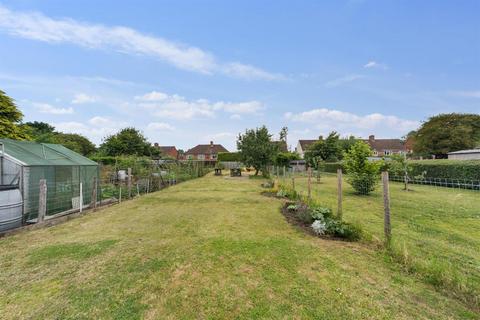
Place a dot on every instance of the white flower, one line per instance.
(319, 227)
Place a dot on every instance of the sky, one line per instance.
(188, 72)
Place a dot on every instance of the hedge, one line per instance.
(229, 156)
(447, 169)
(433, 169)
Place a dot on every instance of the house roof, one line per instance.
(30, 153)
(386, 144)
(167, 149)
(206, 149)
(465, 151)
(306, 143)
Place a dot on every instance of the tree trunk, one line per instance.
(256, 171)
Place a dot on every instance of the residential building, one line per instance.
(386, 147)
(302, 146)
(472, 154)
(167, 151)
(206, 152)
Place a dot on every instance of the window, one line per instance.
(387, 152)
(214, 156)
(375, 152)
(201, 157)
(189, 157)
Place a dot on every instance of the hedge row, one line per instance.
(229, 156)
(433, 169)
(447, 169)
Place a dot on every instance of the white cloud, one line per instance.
(95, 128)
(152, 96)
(177, 107)
(346, 122)
(236, 117)
(375, 64)
(160, 126)
(47, 108)
(243, 71)
(343, 80)
(467, 94)
(81, 98)
(37, 26)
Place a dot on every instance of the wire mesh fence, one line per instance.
(435, 223)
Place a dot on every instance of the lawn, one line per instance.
(211, 248)
(436, 230)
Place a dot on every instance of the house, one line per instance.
(386, 147)
(472, 154)
(303, 145)
(206, 152)
(167, 151)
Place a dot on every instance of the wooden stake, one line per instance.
(42, 201)
(129, 183)
(309, 183)
(340, 193)
(81, 197)
(120, 194)
(386, 206)
(94, 194)
(293, 183)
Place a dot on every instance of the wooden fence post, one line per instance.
(309, 183)
(129, 181)
(340, 193)
(386, 206)
(42, 201)
(120, 194)
(81, 198)
(293, 183)
(94, 194)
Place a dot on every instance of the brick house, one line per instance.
(207, 152)
(386, 147)
(167, 151)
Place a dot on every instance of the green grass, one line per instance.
(436, 231)
(211, 248)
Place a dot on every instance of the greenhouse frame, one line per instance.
(24, 163)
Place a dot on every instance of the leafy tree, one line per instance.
(400, 166)
(324, 149)
(10, 119)
(256, 149)
(75, 142)
(282, 159)
(445, 133)
(38, 128)
(345, 144)
(128, 141)
(284, 134)
(362, 174)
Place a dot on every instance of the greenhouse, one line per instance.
(23, 164)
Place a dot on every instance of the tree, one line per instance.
(400, 166)
(10, 119)
(284, 134)
(40, 131)
(445, 133)
(75, 142)
(324, 149)
(362, 174)
(256, 149)
(282, 159)
(128, 141)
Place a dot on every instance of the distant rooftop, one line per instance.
(465, 151)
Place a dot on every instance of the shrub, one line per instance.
(320, 213)
(446, 169)
(343, 229)
(333, 166)
(362, 174)
(229, 156)
(319, 227)
(292, 207)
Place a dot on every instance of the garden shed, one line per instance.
(23, 164)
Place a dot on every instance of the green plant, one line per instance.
(362, 174)
(320, 213)
(292, 207)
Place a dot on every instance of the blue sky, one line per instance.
(187, 72)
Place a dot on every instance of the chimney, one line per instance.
(371, 138)
(211, 144)
(156, 144)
